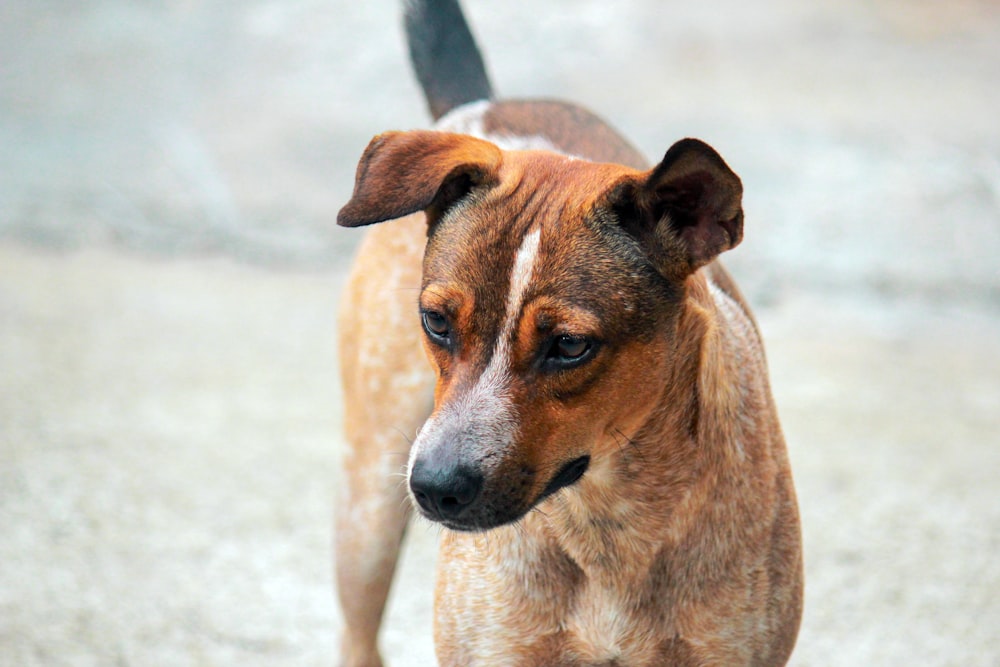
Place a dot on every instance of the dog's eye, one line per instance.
(568, 351)
(436, 325)
(571, 347)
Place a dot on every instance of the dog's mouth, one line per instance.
(568, 475)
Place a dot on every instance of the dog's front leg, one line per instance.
(387, 395)
(369, 531)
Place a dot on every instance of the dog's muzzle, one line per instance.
(456, 496)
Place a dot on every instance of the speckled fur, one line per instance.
(680, 545)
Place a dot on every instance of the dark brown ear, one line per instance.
(404, 172)
(686, 210)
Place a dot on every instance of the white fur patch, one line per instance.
(520, 277)
(468, 119)
(496, 375)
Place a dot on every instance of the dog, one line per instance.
(595, 427)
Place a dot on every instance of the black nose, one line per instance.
(444, 492)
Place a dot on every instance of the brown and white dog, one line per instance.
(600, 443)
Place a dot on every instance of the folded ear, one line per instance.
(685, 211)
(404, 172)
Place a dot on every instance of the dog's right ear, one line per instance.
(404, 172)
(685, 211)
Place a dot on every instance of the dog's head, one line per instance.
(550, 289)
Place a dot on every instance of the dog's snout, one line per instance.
(444, 492)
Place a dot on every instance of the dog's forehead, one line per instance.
(483, 233)
(574, 254)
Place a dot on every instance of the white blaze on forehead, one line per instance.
(520, 278)
(492, 386)
(485, 413)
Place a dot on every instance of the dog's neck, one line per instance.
(647, 490)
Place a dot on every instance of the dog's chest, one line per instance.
(604, 627)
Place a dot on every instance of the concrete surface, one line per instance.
(169, 412)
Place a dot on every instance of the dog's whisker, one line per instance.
(633, 445)
(403, 434)
(404, 503)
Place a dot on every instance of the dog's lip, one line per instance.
(473, 522)
(568, 475)
(467, 527)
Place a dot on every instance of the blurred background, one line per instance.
(170, 173)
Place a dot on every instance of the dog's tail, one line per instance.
(444, 55)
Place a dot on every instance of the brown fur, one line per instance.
(680, 544)
(572, 130)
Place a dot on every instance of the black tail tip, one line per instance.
(444, 54)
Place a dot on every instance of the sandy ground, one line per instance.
(169, 411)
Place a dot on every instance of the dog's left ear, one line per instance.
(685, 211)
(422, 170)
